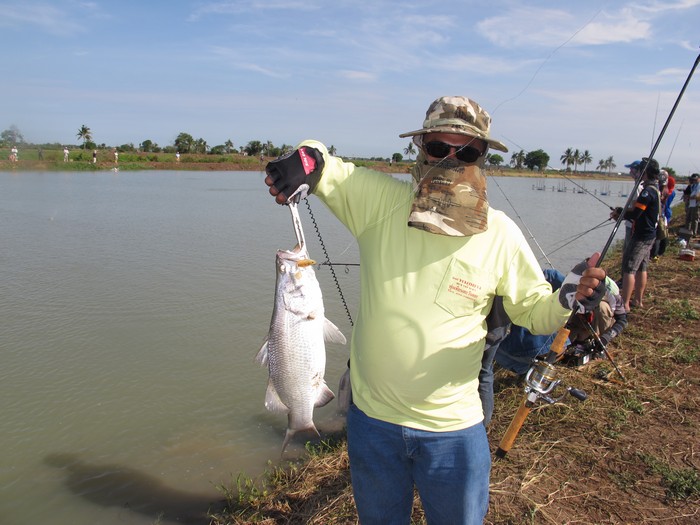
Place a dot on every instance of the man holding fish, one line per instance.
(432, 259)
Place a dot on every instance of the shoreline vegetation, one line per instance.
(626, 455)
(51, 160)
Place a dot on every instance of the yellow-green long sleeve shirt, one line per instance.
(419, 335)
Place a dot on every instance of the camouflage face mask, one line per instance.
(451, 197)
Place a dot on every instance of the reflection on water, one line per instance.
(133, 305)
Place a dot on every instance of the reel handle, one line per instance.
(578, 394)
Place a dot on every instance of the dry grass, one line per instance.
(627, 455)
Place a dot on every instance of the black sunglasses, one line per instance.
(441, 150)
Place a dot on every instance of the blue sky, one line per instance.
(594, 75)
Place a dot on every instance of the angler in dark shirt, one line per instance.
(644, 216)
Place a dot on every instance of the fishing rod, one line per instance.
(545, 371)
(601, 346)
(674, 143)
(532, 235)
(576, 237)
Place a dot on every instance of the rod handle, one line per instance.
(578, 394)
(515, 425)
(557, 347)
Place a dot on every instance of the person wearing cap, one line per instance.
(644, 215)
(691, 196)
(634, 173)
(433, 256)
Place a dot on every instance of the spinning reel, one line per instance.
(541, 380)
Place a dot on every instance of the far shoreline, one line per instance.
(247, 164)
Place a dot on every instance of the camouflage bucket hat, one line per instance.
(457, 115)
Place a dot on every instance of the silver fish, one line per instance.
(294, 349)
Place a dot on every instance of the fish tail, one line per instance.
(291, 432)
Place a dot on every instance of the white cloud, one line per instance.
(673, 76)
(249, 6)
(531, 27)
(363, 76)
(661, 7)
(43, 16)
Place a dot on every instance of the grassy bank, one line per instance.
(81, 160)
(627, 455)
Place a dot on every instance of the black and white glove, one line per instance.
(615, 214)
(295, 173)
(567, 292)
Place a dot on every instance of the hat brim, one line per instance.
(449, 129)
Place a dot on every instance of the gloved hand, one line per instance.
(288, 173)
(584, 286)
(615, 214)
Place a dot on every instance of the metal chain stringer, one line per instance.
(329, 263)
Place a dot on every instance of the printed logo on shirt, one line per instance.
(465, 289)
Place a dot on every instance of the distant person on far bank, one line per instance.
(177, 156)
(14, 154)
(65, 154)
(116, 156)
(644, 215)
(94, 156)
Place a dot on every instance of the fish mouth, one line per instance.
(299, 256)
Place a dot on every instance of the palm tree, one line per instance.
(517, 159)
(409, 150)
(602, 165)
(567, 157)
(586, 158)
(577, 159)
(229, 146)
(610, 162)
(85, 134)
(201, 146)
(267, 148)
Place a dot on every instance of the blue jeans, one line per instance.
(449, 469)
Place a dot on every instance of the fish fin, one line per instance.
(272, 400)
(292, 432)
(261, 356)
(332, 334)
(325, 396)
